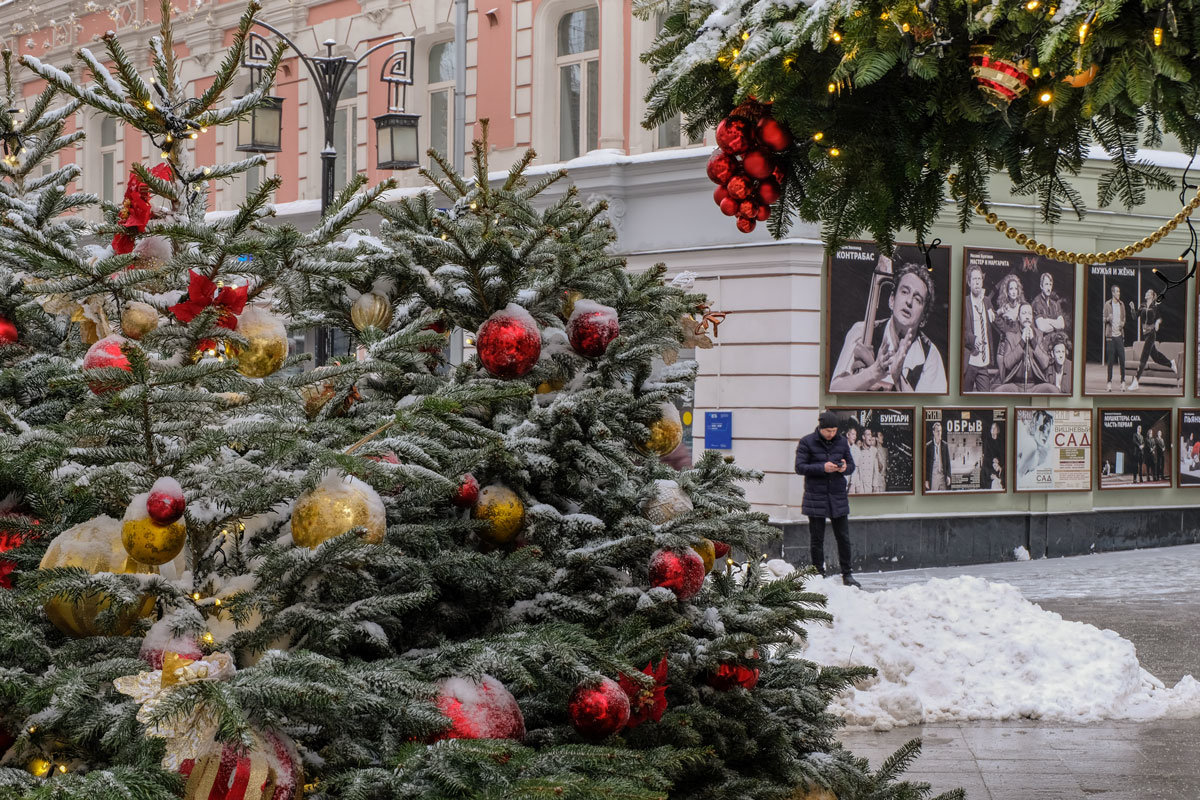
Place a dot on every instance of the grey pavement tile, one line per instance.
(1028, 766)
(945, 781)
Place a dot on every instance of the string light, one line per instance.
(196, 596)
(1036, 72)
(62, 767)
(1032, 5)
(745, 36)
(207, 637)
(832, 88)
(149, 106)
(834, 152)
(1083, 32)
(788, 61)
(905, 27)
(884, 15)
(818, 136)
(1045, 97)
(1158, 37)
(837, 37)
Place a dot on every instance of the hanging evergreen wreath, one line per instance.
(887, 100)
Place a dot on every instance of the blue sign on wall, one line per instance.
(718, 430)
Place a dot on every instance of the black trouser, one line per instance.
(1150, 350)
(977, 379)
(1138, 461)
(816, 541)
(1115, 345)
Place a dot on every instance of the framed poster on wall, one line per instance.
(1053, 449)
(1018, 323)
(1134, 339)
(1134, 448)
(888, 320)
(965, 450)
(881, 441)
(1188, 454)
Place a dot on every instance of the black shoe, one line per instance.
(848, 580)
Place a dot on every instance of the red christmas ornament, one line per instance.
(773, 134)
(720, 548)
(739, 187)
(719, 194)
(757, 164)
(598, 711)
(748, 209)
(159, 641)
(681, 571)
(728, 676)
(8, 331)
(721, 167)
(105, 353)
(645, 703)
(729, 206)
(734, 135)
(9, 540)
(591, 328)
(762, 213)
(745, 225)
(165, 503)
(479, 710)
(509, 343)
(467, 493)
(769, 190)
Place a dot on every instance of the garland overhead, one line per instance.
(886, 100)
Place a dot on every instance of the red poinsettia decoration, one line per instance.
(135, 209)
(646, 703)
(202, 293)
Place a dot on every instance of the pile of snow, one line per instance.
(969, 649)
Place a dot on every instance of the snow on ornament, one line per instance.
(591, 328)
(598, 710)
(267, 343)
(502, 510)
(165, 503)
(482, 709)
(666, 502)
(336, 505)
(146, 541)
(159, 640)
(8, 331)
(509, 343)
(681, 571)
(106, 353)
(152, 252)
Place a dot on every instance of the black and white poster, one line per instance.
(888, 320)
(1053, 451)
(1135, 335)
(881, 441)
(1018, 323)
(1188, 454)
(1135, 448)
(965, 450)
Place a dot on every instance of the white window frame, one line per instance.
(582, 60)
(112, 188)
(434, 88)
(346, 118)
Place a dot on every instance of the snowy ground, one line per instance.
(969, 643)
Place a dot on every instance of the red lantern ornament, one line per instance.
(734, 135)
(509, 343)
(598, 710)
(591, 328)
(681, 571)
(720, 548)
(757, 164)
(645, 703)
(739, 187)
(729, 206)
(728, 676)
(745, 225)
(773, 134)
(8, 331)
(770, 191)
(479, 710)
(721, 167)
(467, 493)
(105, 353)
(165, 503)
(1001, 80)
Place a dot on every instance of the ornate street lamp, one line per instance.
(396, 131)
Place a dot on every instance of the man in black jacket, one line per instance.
(824, 459)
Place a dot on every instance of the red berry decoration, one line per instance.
(739, 187)
(509, 343)
(728, 676)
(165, 503)
(591, 328)
(8, 331)
(720, 548)
(681, 571)
(467, 493)
(772, 133)
(729, 206)
(770, 191)
(757, 164)
(734, 135)
(721, 167)
(599, 710)
(479, 710)
(105, 353)
(745, 225)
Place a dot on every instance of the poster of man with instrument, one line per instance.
(897, 341)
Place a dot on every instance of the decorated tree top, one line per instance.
(888, 100)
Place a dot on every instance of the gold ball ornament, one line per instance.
(336, 505)
(138, 319)
(145, 540)
(1001, 226)
(1041, 249)
(813, 793)
(991, 217)
(267, 343)
(568, 306)
(95, 546)
(707, 552)
(1022, 239)
(371, 310)
(38, 767)
(502, 510)
(666, 432)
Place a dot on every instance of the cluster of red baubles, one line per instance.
(745, 165)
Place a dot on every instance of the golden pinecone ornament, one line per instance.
(503, 511)
(336, 505)
(371, 310)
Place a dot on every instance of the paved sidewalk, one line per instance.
(1149, 597)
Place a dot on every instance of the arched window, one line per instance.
(441, 97)
(578, 64)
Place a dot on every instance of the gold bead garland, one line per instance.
(1071, 257)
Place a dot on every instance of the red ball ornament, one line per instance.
(165, 503)
(739, 187)
(745, 225)
(748, 208)
(719, 194)
(509, 343)
(729, 206)
(479, 710)
(757, 164)
(600, 710)
(773, 134)
(105, 353)
(8, 331)
(721, 549)
(770, 191)
(721, 167)
(728, 676)
(681, 571)
(762, 213)
(467, 493)
(734, 135)
(160, 640)
(591, 328)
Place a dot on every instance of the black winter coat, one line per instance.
(824, 492)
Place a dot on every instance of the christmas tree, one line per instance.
(389, 576)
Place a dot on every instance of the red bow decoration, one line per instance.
(645, 703)
(713, 317)
(229, 300)
(135, 211)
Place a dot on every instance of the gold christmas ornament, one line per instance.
(95, 546)
(503, 512)
(569, 298)
(145, 540)
(707, 552)
(267, 346)
(138, 319)
(39, 767)
(371, 310)
(336, 505)
(666, 432)
(813, 793)
(666, 502)
(550, 385)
